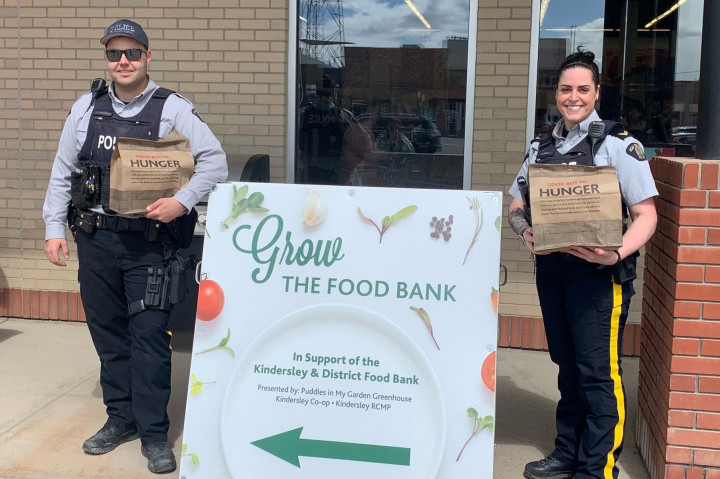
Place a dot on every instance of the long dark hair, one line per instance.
(581, 58)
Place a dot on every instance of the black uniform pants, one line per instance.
(584, 313)
(134, 351)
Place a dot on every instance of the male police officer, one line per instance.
(115, 253)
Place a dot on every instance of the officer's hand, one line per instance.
(52, 251)
(529, 240)
(165, 210)
(595, 255)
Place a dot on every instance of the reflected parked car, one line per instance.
(683, 134)
(421, 130)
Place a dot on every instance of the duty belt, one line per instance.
(89, 221)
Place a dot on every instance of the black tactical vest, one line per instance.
(580, 154)
(91, 185)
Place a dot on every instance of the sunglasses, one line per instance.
(132, 54)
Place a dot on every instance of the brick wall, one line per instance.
(228, 57)
(678, 431)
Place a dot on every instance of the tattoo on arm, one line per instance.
(518, 220)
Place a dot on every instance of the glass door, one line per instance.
(381, 92)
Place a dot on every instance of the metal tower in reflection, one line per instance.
(321, 30)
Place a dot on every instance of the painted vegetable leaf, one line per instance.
(426, 319)
(222, 345)
(387, 221)
(479, 423)
(475, 206)
(193, 457)
(498, 223)
(241, 204)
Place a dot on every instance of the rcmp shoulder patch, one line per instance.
(194, 112)
(636, 151)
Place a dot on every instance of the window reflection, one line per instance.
(649, 57)
(381, 92)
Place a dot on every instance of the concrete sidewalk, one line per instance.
(50, 402)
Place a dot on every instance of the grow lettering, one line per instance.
(265, 250)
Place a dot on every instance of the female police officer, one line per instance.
(584, 304)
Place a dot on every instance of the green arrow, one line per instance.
(289, 447)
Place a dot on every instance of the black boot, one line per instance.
(109, 437)
(160, 457)
(548, 468)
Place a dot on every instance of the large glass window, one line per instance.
(381, 92)
(649, 57)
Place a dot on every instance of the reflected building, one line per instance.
(413, 96)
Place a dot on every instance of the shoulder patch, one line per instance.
(636, 151)
(194, 112)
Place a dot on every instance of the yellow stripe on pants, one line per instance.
(615, 375)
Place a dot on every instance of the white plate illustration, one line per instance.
(372, 393)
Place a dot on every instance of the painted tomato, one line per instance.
(211, 300)
(488, 371)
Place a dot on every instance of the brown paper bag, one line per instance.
(575, 205)
(143, 171)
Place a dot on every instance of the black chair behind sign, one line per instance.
(257, 169)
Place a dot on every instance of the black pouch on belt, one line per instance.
(85, 221)
(153, 230)
(626, 270)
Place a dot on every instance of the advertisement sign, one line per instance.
(344, 332)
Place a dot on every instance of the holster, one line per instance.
(180, 231)
(167, 284)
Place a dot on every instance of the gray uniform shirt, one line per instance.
(636, 181)
(178, 113)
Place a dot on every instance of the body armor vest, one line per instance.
(91, 185)
(580, 154)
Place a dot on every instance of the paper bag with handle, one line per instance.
(143, 171)
(575, 205)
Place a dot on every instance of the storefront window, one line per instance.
(381, 92)
(649, 57)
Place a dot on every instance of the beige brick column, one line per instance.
(678, 424)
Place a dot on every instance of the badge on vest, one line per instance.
(636, 151)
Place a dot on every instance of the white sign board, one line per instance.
(345, 332)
